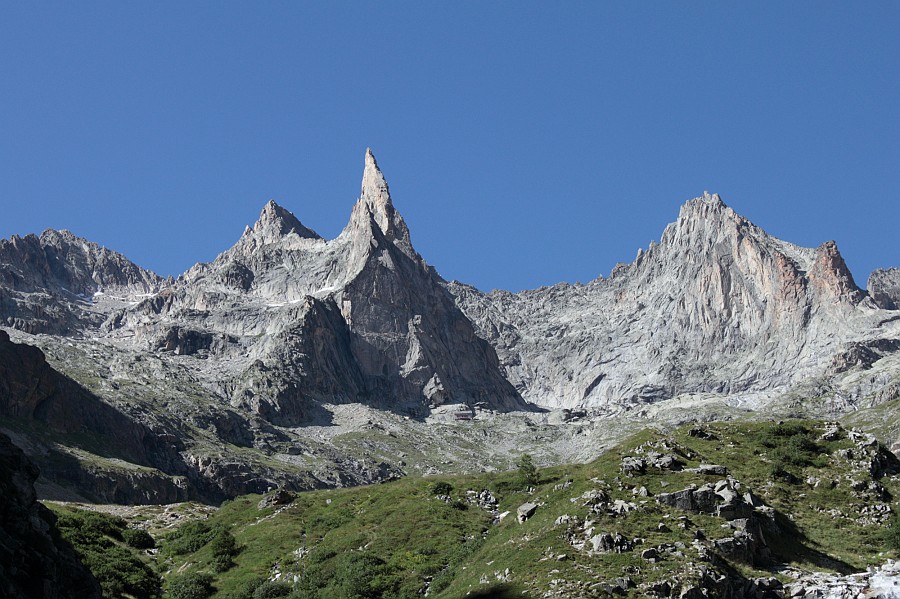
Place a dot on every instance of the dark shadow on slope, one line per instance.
(498, 591)
(51, 408)
(788, 543)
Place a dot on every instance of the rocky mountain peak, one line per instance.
(831, 275)
(375, 205)
(374, 186)
(275, 222)
(707, 209)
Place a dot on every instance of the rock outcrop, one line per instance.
(195, 382)
(35, 563)
(884, 288)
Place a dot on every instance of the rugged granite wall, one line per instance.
(222, 381)
(360, 318)
(56, 283)
(716, 306)
(34, 562)
(884, 288)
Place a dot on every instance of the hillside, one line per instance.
(717, 510)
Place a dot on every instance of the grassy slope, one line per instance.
(419, 537)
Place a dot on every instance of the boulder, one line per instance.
(525, 511)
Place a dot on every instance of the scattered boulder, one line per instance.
(701, 433)
(710, 470)
(279, 498)
(525, 511)
(633, 465)
(608, 543)
(650, 554)
(721, 499)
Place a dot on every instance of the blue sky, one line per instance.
(525, 143)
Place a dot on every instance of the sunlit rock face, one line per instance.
(716, 306)
(284, 319)
(884, 288)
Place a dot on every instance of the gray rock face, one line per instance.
(285, 329)
(716, 306)
(884, 288)
(34, 561)
(360, 318)
(59, 283)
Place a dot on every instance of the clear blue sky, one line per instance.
(525, 143)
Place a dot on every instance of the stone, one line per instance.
(710, 470)
(525, 511)
(633, 465)
(279, 498)
(650, 554)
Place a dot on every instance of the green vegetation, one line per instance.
(441, 488)
(100, 542)
(397, 539)
(138, 538)
(528, 473)
(193, 585)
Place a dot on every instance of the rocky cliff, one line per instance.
(34, 562)
(360, 318)
(61, 284)
(884, 288)
(716, 306)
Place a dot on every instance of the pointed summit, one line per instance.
(276, 222)
(375, 205)
(374, 187)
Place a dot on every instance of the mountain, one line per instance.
(360, 318)
(236, 354)
(717, 306)
(297, 361)
(61, 284)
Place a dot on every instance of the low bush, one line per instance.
(441, 488)
(119, 570)
(138, 538)
(194, 585)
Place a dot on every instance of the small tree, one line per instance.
(224, 549)
(528, 472)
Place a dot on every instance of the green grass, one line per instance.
(394, 539)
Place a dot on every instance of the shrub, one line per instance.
(890, 535)
(118, 569)
(441, 488)
(362, 575)
(138, 538)
(272, 589)
(778, 472)
(195, 585)
(528, 473)
(188, 538)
